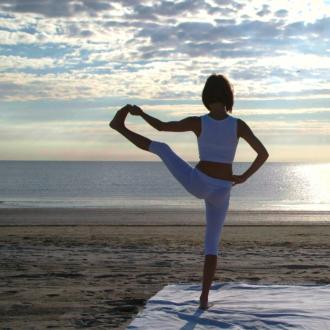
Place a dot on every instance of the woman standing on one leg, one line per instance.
(212, 179)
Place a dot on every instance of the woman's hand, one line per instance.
(238, 179)
(135, 110)
(126, 107)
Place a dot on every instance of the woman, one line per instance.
(212, 179)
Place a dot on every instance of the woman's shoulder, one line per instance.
(243, 128)
(234, 117)
(240, 121)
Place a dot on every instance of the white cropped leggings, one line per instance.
(215, 192)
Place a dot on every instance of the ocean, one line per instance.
(130, 184)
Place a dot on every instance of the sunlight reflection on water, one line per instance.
(275, 186)
(311, 182)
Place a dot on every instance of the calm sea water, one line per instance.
(276, 186)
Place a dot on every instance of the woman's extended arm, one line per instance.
(154, 122)
(184, 125)
(246, 133)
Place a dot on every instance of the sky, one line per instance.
(67, 66)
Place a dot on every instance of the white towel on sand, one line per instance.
(238, 306)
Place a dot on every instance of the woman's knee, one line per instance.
(158, 147)
(218, 200)
(211, 250)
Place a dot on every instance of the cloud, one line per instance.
(67, 65)
(18, 62)
(281, 13)
(264, 11)
(317, 29)
(116, 50)
(58, 8)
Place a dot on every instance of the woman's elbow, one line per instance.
(161, 126)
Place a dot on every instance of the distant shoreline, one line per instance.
(162, 209)
(154, 217)
(153, 161)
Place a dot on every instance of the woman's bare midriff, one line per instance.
(216, 170)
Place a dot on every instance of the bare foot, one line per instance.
(118, 120)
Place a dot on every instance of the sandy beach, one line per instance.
(58, 273)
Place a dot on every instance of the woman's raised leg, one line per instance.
(179, 168)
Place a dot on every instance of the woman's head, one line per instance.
(218, 89)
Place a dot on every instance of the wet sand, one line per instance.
(100, 276)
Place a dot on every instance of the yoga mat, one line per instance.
(237, 306)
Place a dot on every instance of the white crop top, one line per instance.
(218, 140)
